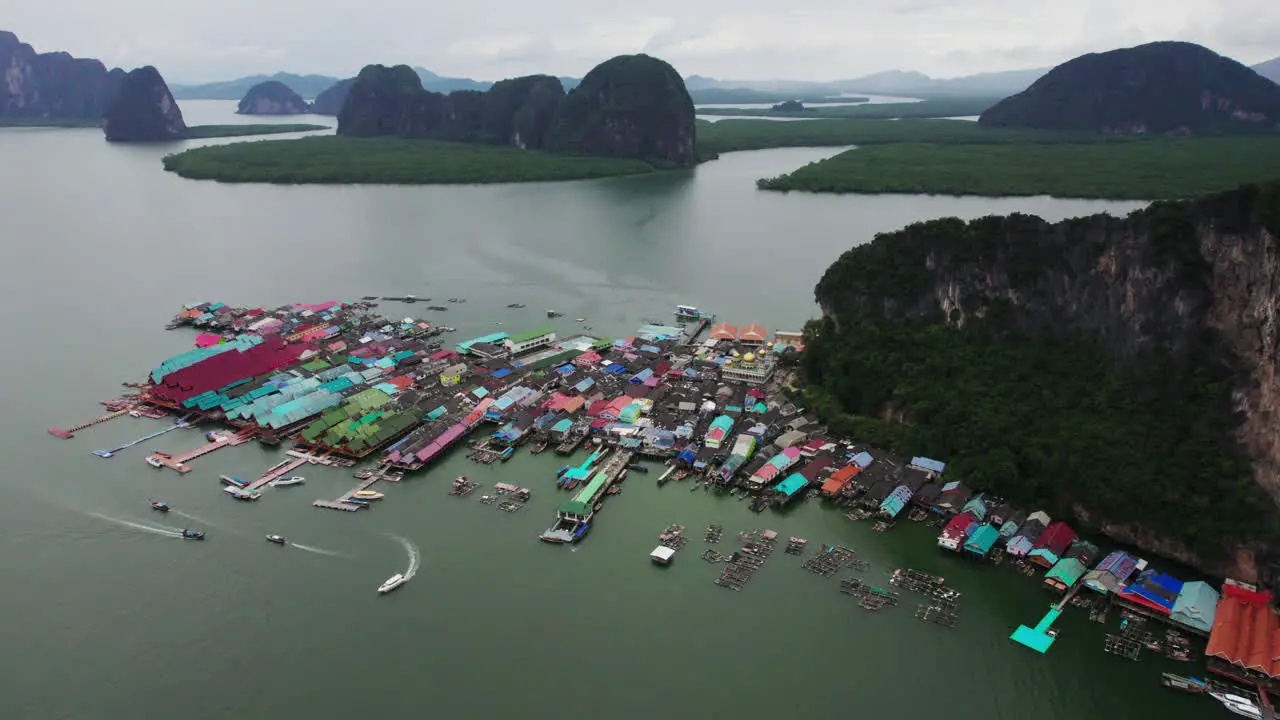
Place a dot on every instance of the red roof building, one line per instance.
(753, 333)
(724, 331)
(1246, 631)
(221, 370)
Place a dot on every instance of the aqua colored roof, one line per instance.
(1196, 606)
(793, 484)
(592, 488)
(1068, 571)
(982, 539)
(562, 426)
(531, 334)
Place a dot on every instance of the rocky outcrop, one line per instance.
(1157, 88)
(632, 106)
(52, 86)
(143, 110)
(272, 98)
(331, 100)
(1190, 287)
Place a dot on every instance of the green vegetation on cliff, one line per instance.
(631, 106)
(333, 159)
(1157, 88)
(936, 108)
(1139, 169)
(1074, 367)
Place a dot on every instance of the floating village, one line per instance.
(698, 402)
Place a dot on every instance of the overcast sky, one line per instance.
(195, 41)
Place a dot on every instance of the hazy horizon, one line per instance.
(819, 40)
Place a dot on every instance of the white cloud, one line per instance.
(804, 39)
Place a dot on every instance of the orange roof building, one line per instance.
(753, 333)
(1246, 630)
(839, 480)
(724, 331)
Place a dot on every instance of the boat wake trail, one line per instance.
(153, 529)
(414, 557)
(318, 551)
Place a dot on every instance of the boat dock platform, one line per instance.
(179, 462)
(178, 424)
(346, 503)
(68, 433)
(1040, 638)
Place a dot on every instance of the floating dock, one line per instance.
(179, 462)
(1041, 637)
(177, 425)
(68, 433)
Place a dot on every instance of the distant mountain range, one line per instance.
(310, 86)
(892, 82)
(1269, 69)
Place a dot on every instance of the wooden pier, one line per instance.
(68, 433)
(280, 469)
(334, 505)
(179, 462)
(344, 502)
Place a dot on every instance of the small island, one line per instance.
(924, 109)
(272, 98)
(629, 115)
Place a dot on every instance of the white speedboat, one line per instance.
(392, 583)
(287, 481)
(1237, 704)
(154, 462)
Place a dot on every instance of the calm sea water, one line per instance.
(108, 618)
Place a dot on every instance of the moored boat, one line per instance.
(161, 506)
(1186, 684)
(154, 462)
(241, 493)
(392, 583)
(287, 481)
(277, 539)
(367, 495)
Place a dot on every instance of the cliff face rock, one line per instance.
(52, 86)
(379, 101)
(1196, 283)
(272, 98)
(632, 106)
(331, 100)
(1158, 88)
(143, 110)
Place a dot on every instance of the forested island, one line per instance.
(1087, 367)
(1113, 168)
(630, 114)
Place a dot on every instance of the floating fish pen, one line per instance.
(859, 565)
(714, 532)
(462, 487)
(869, 597)
(852, 586)
(938, 614)
(795, 546)
(757, 546)
(713, 556)
(510, 506)
(1125, 647)
(925, 584)
(829, 560)
(882, 526)
(673, 537)
(858, 514)
(484, 453)
(918, 515)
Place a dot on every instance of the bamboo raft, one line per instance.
(829, 560)
(673, 537)
(714, 531)
(795, 546)
(925, 584)
(938, 614)
(757, 546)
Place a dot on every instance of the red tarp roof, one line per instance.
(1246, 631)
(225, 368)
(1056, 538)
